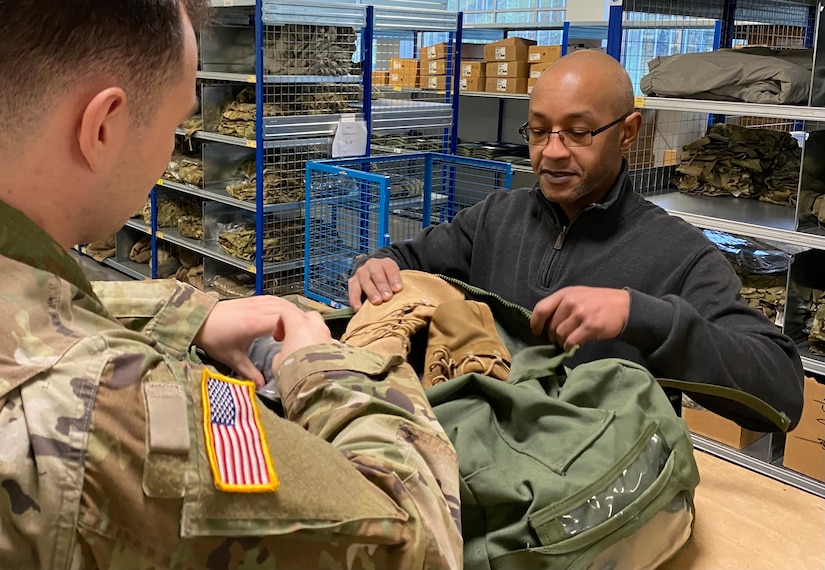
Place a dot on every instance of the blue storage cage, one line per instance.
(355, 206)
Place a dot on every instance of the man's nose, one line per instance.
(555, 147)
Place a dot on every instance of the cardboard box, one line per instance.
(543, 54)
(670, 158)
(441, 51)
(434, 67)
(506, 85)
(717, 428)
(471, 83)
(434, 82)
(805, 445)
(473, 68)
(536, 69)
(510, 49)
(404, 65)
(531, 82)
(403, 80)
(380, 77)
(507, 69)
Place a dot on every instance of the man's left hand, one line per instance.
(576, 315)
(233, 325)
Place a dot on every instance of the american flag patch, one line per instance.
(235, 442)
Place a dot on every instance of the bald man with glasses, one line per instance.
(600, 266)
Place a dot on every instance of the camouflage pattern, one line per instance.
(185, 169)
(765, 292)
(818, 210)
(191, 226)
(816, 323)
(310, 50)
(238, 117)
(192, 125)
(170, 210)
(282, 243)
(280, 186)
(368, 477)
(743, 162)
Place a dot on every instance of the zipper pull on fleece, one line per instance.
(560, 239)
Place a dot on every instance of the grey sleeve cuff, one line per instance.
(261, 353)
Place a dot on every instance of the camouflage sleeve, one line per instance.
(166, 310)
(374, 411)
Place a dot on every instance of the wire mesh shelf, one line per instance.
(355, 206)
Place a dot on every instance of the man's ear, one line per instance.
(630, 129)
(103, 127)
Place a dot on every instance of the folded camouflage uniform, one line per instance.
(816, 335)
(186, 170)
(741, 162)
(284, 243)
(310, 50)
(191, 227)
(279, 187)
(171, 209)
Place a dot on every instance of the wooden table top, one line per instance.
(747, 521)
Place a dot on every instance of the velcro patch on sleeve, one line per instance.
(235, 441)
(168, 419)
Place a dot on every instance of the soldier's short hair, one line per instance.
(48, 46)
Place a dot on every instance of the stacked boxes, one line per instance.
(403, 72)
(805, 445)
(380, 77)
(434, 64)
(539, 57)
(473, 75)
(507, 67)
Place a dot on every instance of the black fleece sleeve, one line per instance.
(445, 248)
(709, 335)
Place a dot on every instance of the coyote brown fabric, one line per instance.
(463, 339)
(388, 327)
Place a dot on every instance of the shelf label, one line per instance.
(228, 3)
(639, 102)
(251, 144)
(158, 234)
(250, 79)
(396, 88)
(251, 269)
(350, 138)
(160, 182)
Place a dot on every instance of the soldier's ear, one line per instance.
(103, 128)
(630, 129)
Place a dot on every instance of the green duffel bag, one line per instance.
(582, 468)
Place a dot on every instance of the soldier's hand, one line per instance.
(377, 280)
(576, 315)
(233, 325)
(297, 330)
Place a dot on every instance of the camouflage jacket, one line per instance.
(103, 459)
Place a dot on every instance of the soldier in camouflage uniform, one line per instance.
(110, 455)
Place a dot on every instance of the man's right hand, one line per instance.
(297, 329)
(377, 280)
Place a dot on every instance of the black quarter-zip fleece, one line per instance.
(687, 320)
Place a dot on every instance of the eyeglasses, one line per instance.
(568, 137)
